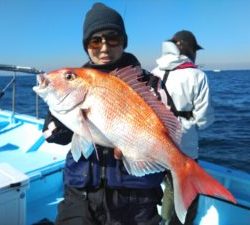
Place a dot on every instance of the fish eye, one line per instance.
(69, 76)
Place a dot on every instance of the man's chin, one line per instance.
(106, 61)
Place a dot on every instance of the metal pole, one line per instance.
(14, 94)
(37, 107)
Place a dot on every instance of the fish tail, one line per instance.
(192, 180)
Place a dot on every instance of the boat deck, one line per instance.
(222, 212)
(23, 147)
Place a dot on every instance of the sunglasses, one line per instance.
(112, 40)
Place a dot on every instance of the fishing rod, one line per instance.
(21, 69)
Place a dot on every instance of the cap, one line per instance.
(100, 17)
(188, 37)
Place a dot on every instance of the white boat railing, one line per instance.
(12, 82)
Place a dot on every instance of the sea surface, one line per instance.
(226, 142)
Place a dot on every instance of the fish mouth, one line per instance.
(42, 83)
(44, 86)
(42, 80)
(60, 103)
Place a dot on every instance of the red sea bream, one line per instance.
(118, 111)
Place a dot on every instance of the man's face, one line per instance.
(105, 47)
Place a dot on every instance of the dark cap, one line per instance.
(99, 18)
(188, 37)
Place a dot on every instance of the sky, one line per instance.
(47, 34)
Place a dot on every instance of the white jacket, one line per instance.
(190, 92)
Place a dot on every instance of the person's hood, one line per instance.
(169, 60)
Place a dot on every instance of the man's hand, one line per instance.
(117, 153)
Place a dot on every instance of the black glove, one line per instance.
(55, 132)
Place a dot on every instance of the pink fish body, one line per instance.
(118, 111)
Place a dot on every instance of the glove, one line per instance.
(55, 132)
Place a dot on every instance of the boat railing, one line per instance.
(12, 82)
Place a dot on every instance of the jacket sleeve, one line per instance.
(61, 134)
(203, 111)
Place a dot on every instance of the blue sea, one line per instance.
(226, 142)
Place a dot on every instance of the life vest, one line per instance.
(185, 114)
(92, 173)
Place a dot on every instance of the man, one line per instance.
(100, 191)
(184, 88)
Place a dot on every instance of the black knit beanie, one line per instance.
(100, 17)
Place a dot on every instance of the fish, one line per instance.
(119, 111)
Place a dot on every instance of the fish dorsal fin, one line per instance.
(132, 75)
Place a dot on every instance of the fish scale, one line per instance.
(125, 112)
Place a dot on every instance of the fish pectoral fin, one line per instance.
(141, 167)
(81, 145)
(86, 138)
